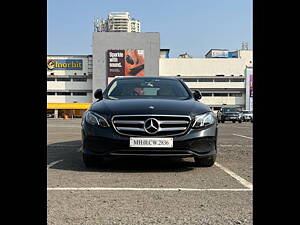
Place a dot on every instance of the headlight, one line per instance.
(95, 119)
(204, 120)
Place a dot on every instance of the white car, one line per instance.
(247, 115)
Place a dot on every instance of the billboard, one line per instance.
(64, 64)
(126, 62)
(249, 88)
(233, 54)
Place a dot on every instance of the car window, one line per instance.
(230, 110)
(147, 88)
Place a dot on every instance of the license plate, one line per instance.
(151, 142)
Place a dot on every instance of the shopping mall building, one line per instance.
(223, 77)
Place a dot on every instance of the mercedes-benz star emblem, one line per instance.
(151, 126)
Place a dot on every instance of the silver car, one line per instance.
(247, 115)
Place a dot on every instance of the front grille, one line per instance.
(232, 115)
(134, 125)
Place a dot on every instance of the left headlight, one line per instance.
(95, 119)
(204, 120)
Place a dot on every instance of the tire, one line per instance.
(240, 121)
(205, 162)
(233, 121)
(222, 121)
(91, 161)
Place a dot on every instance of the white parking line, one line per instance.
(235, 176)
(64, 126)
(54, 163)
(242, 136)
(141, 189)
(220, 145)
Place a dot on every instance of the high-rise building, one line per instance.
(117, 22)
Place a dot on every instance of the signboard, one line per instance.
(233, 54)
(64, 64)
(219, 54)
(128, 62)
(249, 88)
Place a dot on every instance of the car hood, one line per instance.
(144, 106)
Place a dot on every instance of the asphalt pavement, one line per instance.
(149, 190)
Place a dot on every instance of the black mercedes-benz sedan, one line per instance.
(149, 116)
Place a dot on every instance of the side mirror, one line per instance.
(98, 94)
(197, 95)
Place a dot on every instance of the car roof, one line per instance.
(150, 77)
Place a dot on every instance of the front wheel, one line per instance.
(240, 121)
(205, 162)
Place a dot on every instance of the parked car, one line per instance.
(229, 114)
(149, 116)
(247, 115)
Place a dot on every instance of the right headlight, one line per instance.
(95, 119)
(204, 120)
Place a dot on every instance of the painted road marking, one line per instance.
(220, 145)
(139, 189)
(242, 136)
(235, 176)
(63, 126)
(54, 163)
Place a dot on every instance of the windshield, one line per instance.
(247, 112)
(147, 88)
(230, 110)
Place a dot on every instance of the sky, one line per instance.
(185, 26)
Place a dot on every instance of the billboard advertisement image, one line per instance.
(128, 62)
(134, 63)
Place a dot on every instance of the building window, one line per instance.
(237, 80)
(206, 94)
(235, 94)
(63, 93)
(79, 79)
(79, 93)
(63, 79)
(189, 79)
(222, 80)
(205, 80)
(50, 93)
(221, 94)
(50, 79)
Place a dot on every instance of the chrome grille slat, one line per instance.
(133, 125)
(130, 129)
(129, 121)
(172, 129)
(173, 122)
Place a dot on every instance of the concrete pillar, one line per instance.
(55, 113)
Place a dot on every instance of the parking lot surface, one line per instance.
(148, 190)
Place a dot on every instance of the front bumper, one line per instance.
(231, 118)
(107, 142)
(246, 117)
